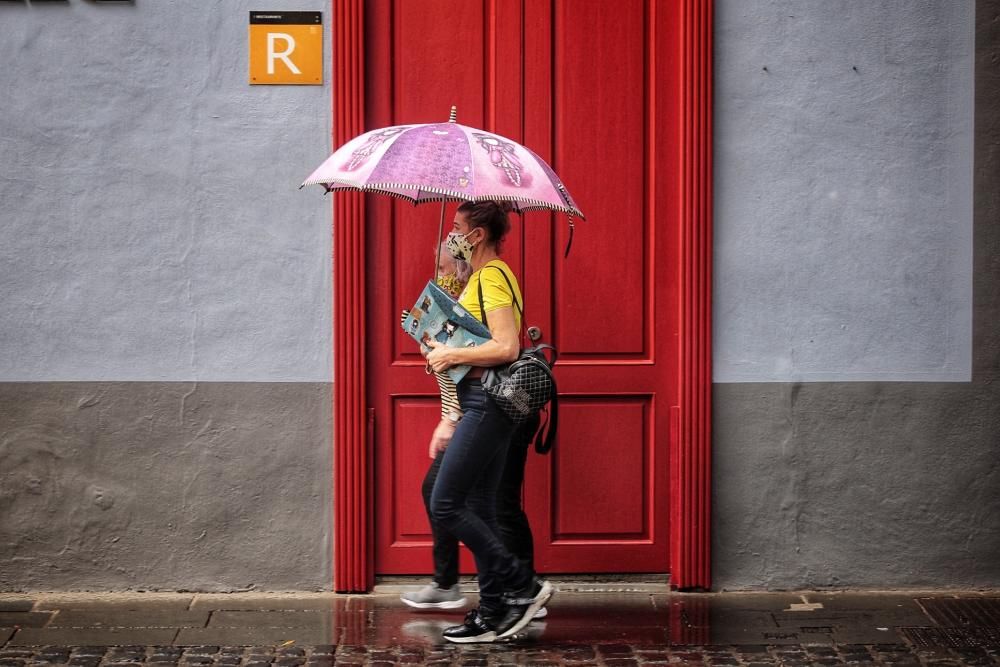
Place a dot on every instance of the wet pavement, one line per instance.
(636, 627)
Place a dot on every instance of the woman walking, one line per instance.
(463, 499)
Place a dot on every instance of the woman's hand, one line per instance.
(441, 437)
(440, 357)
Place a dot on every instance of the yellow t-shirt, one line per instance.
(496, 292)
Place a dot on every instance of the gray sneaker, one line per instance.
(432, 596)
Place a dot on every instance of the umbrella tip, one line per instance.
(453, 116)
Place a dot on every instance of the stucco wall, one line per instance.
(874, 484)
(152, 228)
(843, 181)
(165, 486)
(165, 344)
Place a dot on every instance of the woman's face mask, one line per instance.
(459, 246)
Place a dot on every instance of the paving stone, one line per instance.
(652, 654)
(25, 619)
(856, 657)
(579, 654)
(621, 662)
(687, 655)
(260, 650)
(84, 661)
(202, 650)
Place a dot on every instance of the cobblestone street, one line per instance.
(622, 655)
(582, 628)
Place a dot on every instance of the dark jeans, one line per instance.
(464, 496)
(515, 532)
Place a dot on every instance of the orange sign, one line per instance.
(286, 48)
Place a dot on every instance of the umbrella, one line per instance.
(445, 162)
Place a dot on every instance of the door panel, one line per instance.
(575, 82)
(599, 144)
(579, 471)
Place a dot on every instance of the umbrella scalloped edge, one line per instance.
(437, 194)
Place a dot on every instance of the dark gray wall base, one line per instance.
(116, 486)
(860, 485)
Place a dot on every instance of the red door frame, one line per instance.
(690, 437)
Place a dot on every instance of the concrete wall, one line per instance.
(152, 226)
(165, 486)
(165, 345)
(876, 484)
(843, 180)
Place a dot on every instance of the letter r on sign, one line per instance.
(273, 55)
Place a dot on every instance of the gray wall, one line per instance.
(165, 345)
(151, 224)
(876, 484)
(843, 180)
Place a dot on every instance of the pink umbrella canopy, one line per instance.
(444, 161)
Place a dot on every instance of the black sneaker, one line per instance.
(522, 608)
(476, 629)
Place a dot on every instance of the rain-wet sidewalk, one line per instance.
(583, 627)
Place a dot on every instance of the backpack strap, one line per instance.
(513, 296)
(543, 443)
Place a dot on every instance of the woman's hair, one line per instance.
(491, 216)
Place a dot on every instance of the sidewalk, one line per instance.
(591, 628)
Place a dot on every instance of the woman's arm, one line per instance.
(503, 348)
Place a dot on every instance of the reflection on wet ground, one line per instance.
(581, 627)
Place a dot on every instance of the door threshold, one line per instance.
(576, 583)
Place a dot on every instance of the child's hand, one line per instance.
(442, 436)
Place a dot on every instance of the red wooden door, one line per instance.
(584, 84)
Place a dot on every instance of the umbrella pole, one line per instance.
(437, 255)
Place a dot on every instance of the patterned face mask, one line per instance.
(451, 284)
(459, 247)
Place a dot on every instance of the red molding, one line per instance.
(691, 466)
(353, 544)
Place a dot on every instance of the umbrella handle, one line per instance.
(437, 256)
